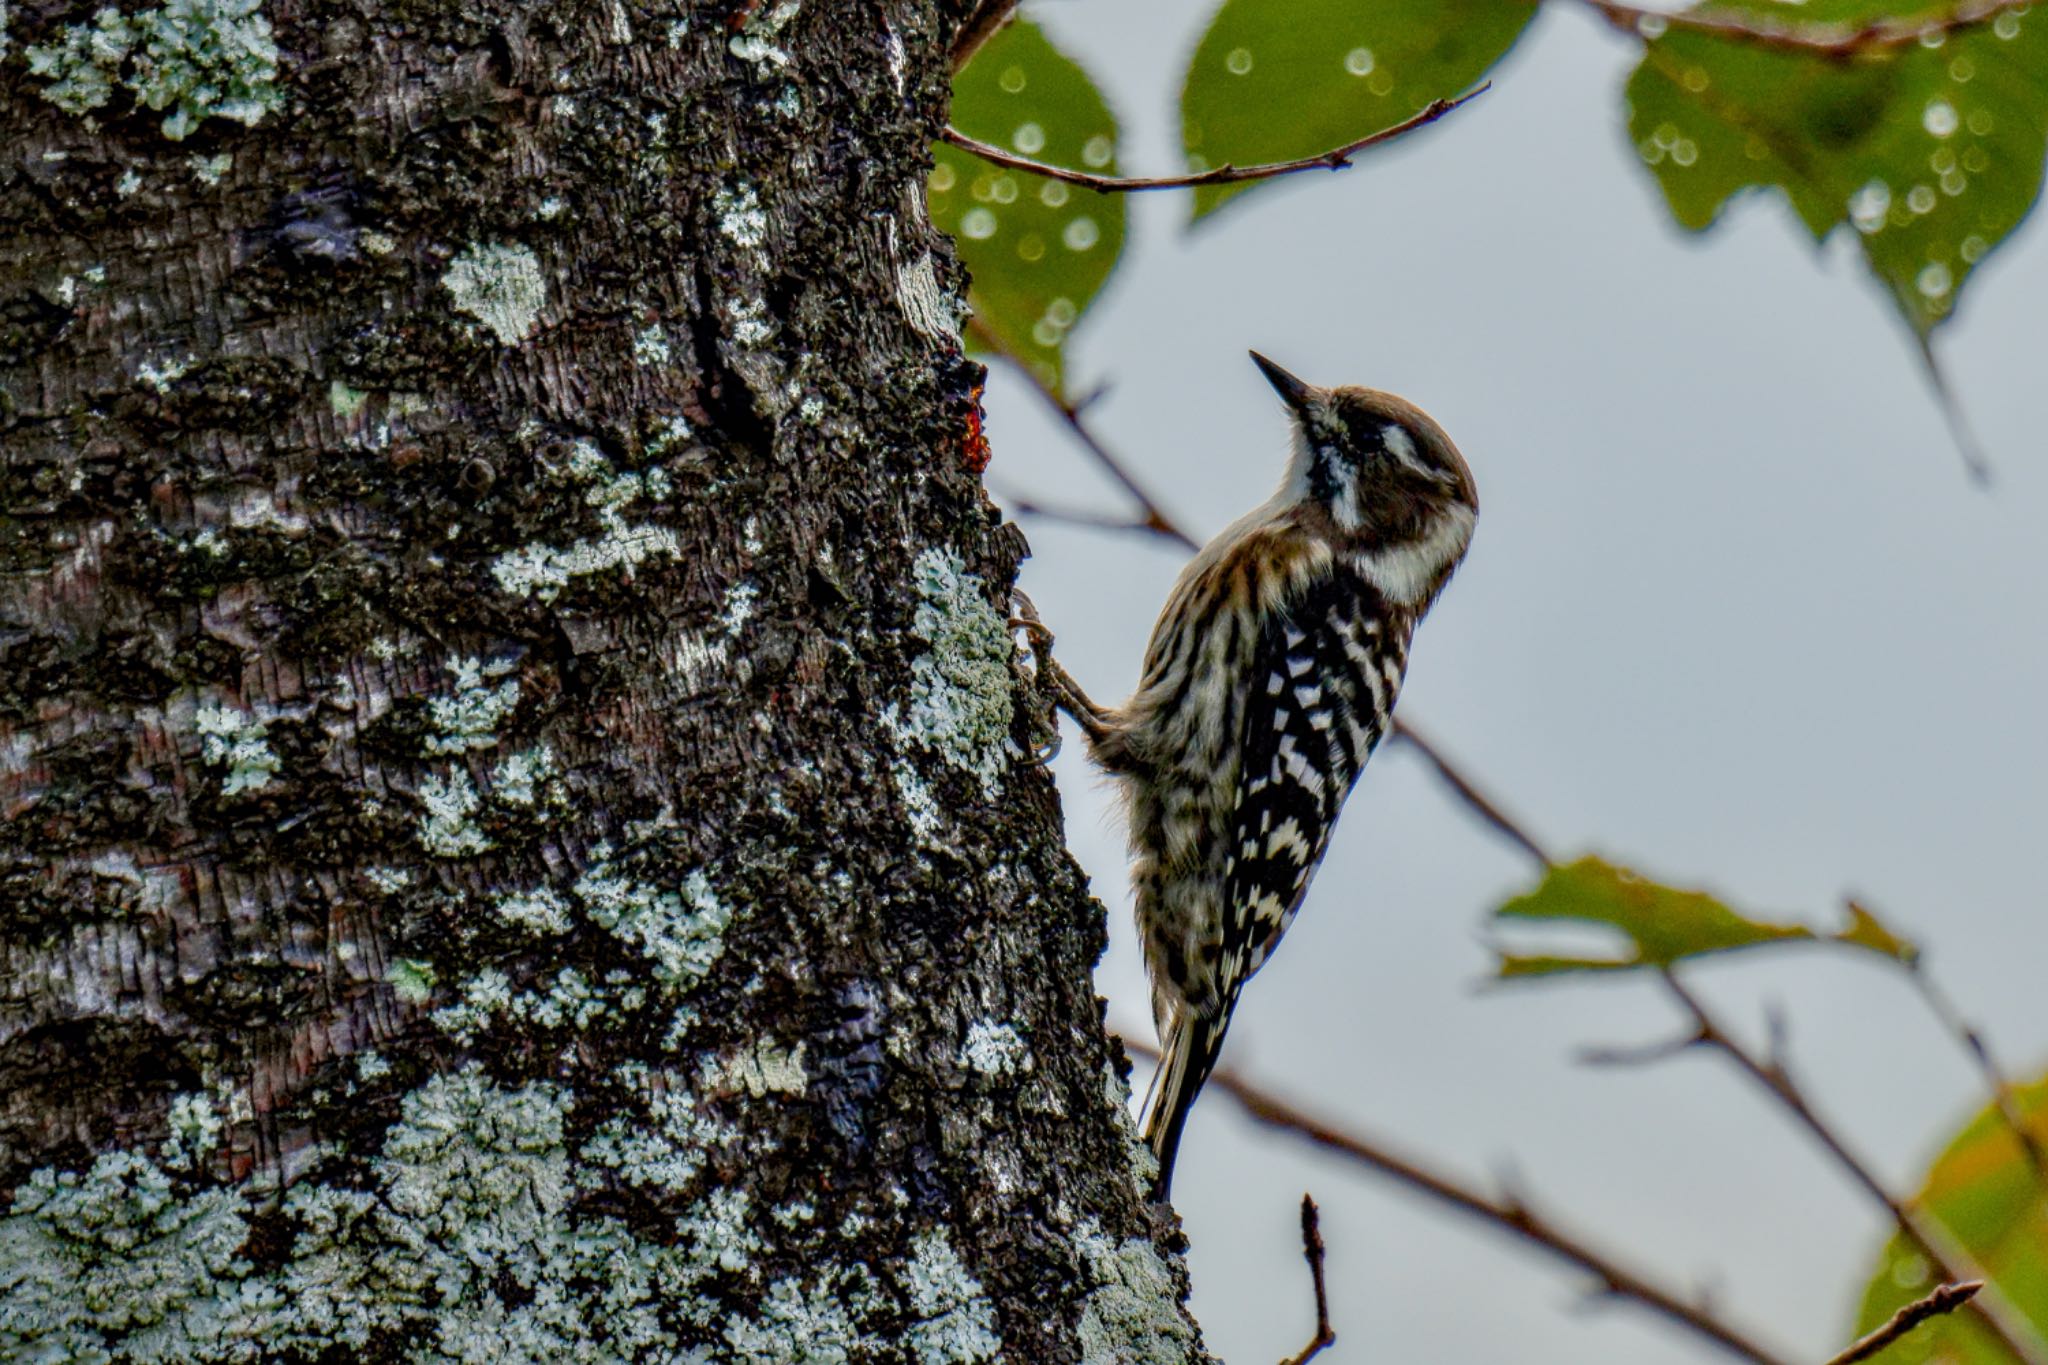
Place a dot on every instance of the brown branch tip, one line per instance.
(1312, 1252)
(1945, 1299)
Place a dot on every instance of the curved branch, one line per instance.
(1507, 1212)
(1336, 159)
(1151, 519)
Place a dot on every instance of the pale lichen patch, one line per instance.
(211, 170)
(739, 609)
(994, 1049)
(740, 217)
(237, 741)
(1138, 1156)
(762, 1069)
(755, 41)
(1132, 1316)
(669, 432)
(343, 401)
(960, 690)
(469, 719)
(199, 59)
(796, 1324)
(468, 1233)
(195, 1126)
(544, 570)
(650, 346)
(115, 1258)
(539, 911)
(662, 1151)
(412, 979)
(528, 778)
(682, 933)
(160, 375)
(956, 1319)
(464, 1238)
(448, 829)
(499, 285)
(919, 805)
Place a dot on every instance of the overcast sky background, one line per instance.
(1734, 615)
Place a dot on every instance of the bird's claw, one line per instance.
(1038, 640)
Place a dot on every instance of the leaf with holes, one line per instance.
(1039, 250)
(1276, 80)
(1986, 1194)
(1930, 155)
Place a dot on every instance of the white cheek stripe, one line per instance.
(1344, 495)
(1403, 573)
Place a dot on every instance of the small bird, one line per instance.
(1270, 677)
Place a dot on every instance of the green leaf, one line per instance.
(1931, 155)
(1276, 80)
(1661, 924)
(1038, 249)
(1992, 1201)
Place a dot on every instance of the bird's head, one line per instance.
(1376, 464)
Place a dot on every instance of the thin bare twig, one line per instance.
(1312, 1252)
(1928, 1238)
(1336, 159)
(1944, 1009)
(1641, 1055)
(1481, 805)
(1946, 1299)
(1508, 1213)
(1150, 519)
(1827, 40)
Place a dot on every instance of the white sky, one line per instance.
(1733, 615)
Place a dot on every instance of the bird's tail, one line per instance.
(1192, 1046)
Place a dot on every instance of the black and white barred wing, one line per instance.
(1321, 692)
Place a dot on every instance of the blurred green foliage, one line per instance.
(1277, 80)
(1930, 155)
(1038, 250)
(1985, 1192)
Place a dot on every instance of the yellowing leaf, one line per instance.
(1987, 1195)
(1865, 930)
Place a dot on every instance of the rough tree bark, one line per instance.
(516, 842)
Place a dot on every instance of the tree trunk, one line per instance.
(518, 844)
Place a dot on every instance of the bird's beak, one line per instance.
(1293, 390)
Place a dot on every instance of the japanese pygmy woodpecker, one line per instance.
(1270, 677)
